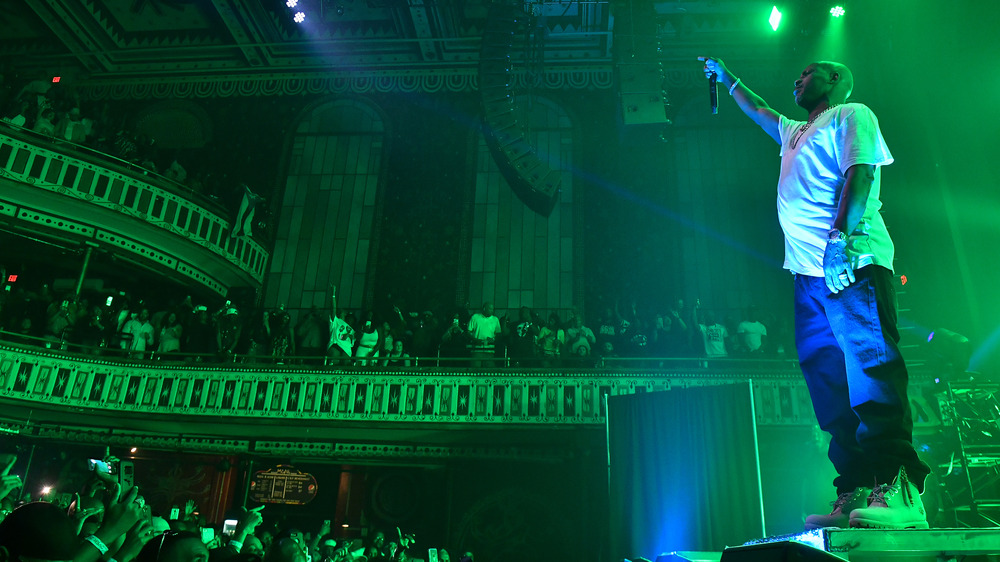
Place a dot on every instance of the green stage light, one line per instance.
(837, 11)
(775, 19)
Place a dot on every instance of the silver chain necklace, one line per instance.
(802, 130)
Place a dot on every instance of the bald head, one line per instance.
(285, 550)
(842, 77)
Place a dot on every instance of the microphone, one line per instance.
(713, 93)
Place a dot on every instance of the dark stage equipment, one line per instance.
(778, 552)
(638, 65)
(872, 545)
(688, 557)
(531, 178)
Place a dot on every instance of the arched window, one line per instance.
(326, 224)
(519, 258)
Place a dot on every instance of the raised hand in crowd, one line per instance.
(8, 482)
(80, 514)
(249, 520)
(135, 539)
(122, 512)
(189, 508)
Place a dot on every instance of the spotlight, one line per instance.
(299, 17)
(46, 490)
(292, 3)
(775, 19)
(134, 449)
(837, 11)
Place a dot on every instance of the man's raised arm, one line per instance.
(753, 105)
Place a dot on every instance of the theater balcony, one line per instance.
(73, 196)
(426, 413)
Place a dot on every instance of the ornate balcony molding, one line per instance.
(303, 412)
(56, 187)
(431, 80)
(426, 395)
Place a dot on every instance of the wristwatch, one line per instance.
(835, 235)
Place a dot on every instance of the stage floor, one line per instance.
(864, 545)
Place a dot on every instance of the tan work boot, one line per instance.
(841, 514)
(893, 506)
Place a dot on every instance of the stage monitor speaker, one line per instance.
(783, 551)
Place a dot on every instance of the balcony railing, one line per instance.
(116, 398)
(94, 197)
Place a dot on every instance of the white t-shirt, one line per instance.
(142, 334)
(714, 337)
(485, 329)
(751, 332)
(812, 177)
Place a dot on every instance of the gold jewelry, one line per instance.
(802, 130)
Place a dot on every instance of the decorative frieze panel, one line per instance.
(353, 414)
(434, 396)
(600, 77)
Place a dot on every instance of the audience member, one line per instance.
(229, 330)
(368, 342)
(608, 330)
(45, 124)
(170, 334)
(484, 328)
(138, 334)
(281, 338)
(580, 339)
(523, 340)
(341, 344)
(551, 338)
(455, 341)
(714, 334)
(72, 127)
(751, 332)
(311, 334)
(425, 335)
(397, 357)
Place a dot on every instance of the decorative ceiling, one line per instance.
(108, 39)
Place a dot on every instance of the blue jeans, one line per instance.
(857, 378)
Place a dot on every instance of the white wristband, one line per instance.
(733, 87)
(97, 543)
(236, 545)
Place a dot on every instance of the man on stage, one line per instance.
(838, 249)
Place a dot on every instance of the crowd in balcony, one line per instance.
(98, 514)
(57, 114)
(126, 326)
